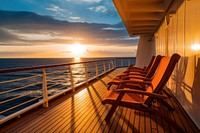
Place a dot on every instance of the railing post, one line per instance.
(104, 67)
(111, 62)
(86, 73)
(97, 72)
(129, 62)
(71, 78)
(122, 63)
(44, 89)
(115, 63)
(109, 65)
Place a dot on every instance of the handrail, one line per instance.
(46, 66)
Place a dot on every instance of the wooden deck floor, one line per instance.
(83, 112)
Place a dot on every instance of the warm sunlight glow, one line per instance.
(196, 47)
(77, 59)
(77, 50)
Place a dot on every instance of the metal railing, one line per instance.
(22, 89)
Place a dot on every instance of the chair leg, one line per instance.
(168, 95)
(114, 107)
(110, 113)
(169, 107)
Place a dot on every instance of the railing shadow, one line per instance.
(72, 114)
(179, 77)
(188, 95)
(196, 93)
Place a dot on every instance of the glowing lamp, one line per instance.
(196, 47)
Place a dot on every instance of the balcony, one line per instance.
(82, 111)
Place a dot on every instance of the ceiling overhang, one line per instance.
(143, 16)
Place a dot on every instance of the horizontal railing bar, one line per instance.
(45, 66)
(20, 105)
(16, 97)
(19, 88)
(60, 93)
(60, 77)
(55, 84)
(20, 79)
(60, 88)
(49, 73)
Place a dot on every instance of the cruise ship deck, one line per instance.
(82, 111)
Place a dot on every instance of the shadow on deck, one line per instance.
(82, 111)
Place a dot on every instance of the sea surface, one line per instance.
(28, 90)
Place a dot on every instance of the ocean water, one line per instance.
(30, 87)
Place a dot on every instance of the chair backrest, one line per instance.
(154, 66)
(150, 63)
(164, 71)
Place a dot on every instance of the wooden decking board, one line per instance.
(142, 122)
(184, 123)
(157, 119)
(116, 120)
(56, 110)
(126, 119)
(90, 123)
(153, 122)
(101, 125)
(51, 120)
(119, 125)
(97, 116)
(131, 121)
(79, 112)
(165, 127)
(136, 122)
(83, 112)
(87, 116)
(96, 121)
(147, 123)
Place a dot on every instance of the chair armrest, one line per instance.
(136, 77)
(136, 82)
(155, 95)
(124, 82)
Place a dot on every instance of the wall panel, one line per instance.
(179, 36)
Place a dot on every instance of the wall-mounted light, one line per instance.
(196, 47)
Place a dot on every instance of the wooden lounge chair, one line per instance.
(148, 74)
(137, 77)
(145, 69)
(143, 100)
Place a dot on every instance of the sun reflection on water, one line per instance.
(77, 59)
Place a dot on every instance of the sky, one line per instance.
(63, 28)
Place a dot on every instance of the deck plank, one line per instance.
(82, 111)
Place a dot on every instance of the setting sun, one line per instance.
(77, 50)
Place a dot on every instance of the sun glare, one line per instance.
(77, 50)
(196, 47)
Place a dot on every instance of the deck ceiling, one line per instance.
(142, 16)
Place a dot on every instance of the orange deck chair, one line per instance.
(143, 100)
(147, 74)
(146, 77)
(145, 69)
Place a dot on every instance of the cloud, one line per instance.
(32, 29)
(98, 9)
(75, 19)
(104, 53)
(113, 28)
(88, 1)
(54, 8)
